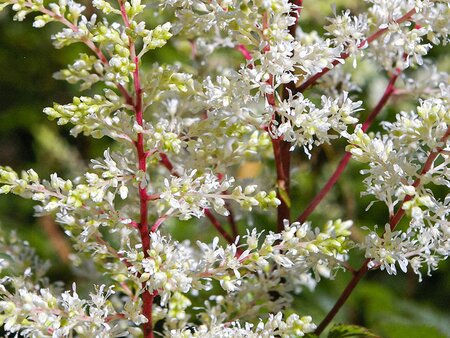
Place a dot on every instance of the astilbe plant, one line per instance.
(180, 130)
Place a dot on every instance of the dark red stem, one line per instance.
(344, 161)
(232, 220)
(343, 298)
(218, 226)
(393, 222)
(296, 14)
(281, 148)
(426, 167)
(282, 165)
(143, 226)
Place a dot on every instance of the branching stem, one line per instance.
(393, 222)
(309, 82)
(346, 158)
(143, 225)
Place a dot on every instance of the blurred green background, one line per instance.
(391, 306)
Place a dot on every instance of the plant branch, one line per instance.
(282, 165)
(232, 220)
(281, 148)
(343, 297)
(165, 161)
(426, 167)
(393, 222)
(91, 45)
(143, 225)
(296, 14)
(218, 226)
(346, 158)
(310, 81)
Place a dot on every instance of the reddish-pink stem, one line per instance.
(282, 160)
(344, 161)
(143, 226)
(165, 161)
(158, 222)
(393, 222)
(358, 275)
(218, 226)
(244, 51)
(426, 167)
(309, 82)
(281, 148)
(282, 157)
(232, 220)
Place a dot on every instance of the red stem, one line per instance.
(143, 226)
(309, 82)
(165, 161)
(232, 220)
(282, 161)
(281, 148)
(244, 51)
(426, 167)
(343, 298)
(344, 161)
(393, 223)
(293, 28)
(218, 226)
(157, 223)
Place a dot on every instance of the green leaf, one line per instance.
(284, 196)
(342, 330)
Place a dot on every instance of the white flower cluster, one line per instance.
(275, 326)
(189, 194)
(97, 116)
(63, 195)
(405, 164)
(81, 207)
(210, 143)
(87, 69)
(303, 124)
(401, 40)
(41, 314)
(417, 248)
(173, 268)
(349, 31)
(396, 159)
(29, 304)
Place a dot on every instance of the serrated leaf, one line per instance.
(343, 330)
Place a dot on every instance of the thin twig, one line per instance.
(346, 158)
(218, 226)
(232, 220)
(165, 161)
(393, 222)
(310, 81)
(143, 226)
